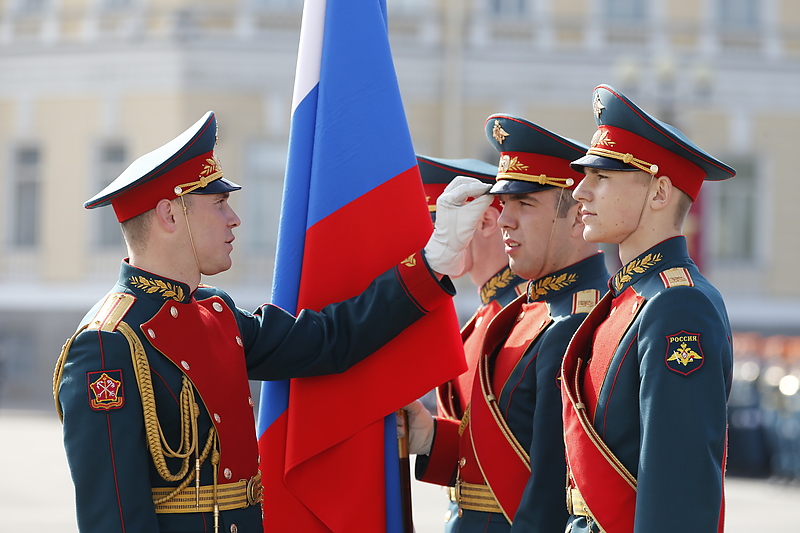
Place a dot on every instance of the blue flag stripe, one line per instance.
(355, 93)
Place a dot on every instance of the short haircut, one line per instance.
(564, 203)
(136, 230)
(684, 204)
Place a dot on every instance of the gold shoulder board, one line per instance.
(111, 312)
(584, 301)
(676, 277)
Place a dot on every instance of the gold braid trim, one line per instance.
(156, 441)
(59, 370)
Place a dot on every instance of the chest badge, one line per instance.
(105, 389)
(684, 354)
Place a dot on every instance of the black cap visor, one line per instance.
(604, 163)
(218, 186)
(518, 187)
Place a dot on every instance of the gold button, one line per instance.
(462, 462)
(227, 473)
(448, 515)
(151, 333)
(185, 365)
(173, 311)
(250, 401)
(217, 418)
(234, 529)
(217, 307)
(460, 512)
(239, 340)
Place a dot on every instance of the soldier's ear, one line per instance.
(166, 215)
(661, 192)
(489, 223)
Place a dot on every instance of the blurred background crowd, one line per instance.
(764, 407)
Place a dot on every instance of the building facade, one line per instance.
(89, 85)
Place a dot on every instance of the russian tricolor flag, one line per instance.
(353, 207)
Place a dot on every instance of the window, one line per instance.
(625, 11)
(31, 7)
(508, 7)
(25, 197)
(111, 161)
(741, 14)
(733, 215)
(265, 164)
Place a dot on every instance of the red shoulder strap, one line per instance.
(608, 489)
(503, 461)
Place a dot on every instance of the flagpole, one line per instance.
(405, 475)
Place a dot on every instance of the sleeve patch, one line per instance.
(684, 354)
(105, 389)
(676, 277)
(584, 301)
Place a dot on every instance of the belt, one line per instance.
(236, 495)
(576, 505)
(474, 497)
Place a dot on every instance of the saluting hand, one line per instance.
(456, 220)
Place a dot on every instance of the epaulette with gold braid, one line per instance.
(584, 301)
(111, 312)
(676, 277)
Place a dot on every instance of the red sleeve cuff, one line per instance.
(443, 459)
(421, 284)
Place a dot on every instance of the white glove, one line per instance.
(455, 224)
(420, 428)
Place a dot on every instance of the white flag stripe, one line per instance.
(309, 54)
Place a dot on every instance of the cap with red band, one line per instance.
(532, 159)
(629, 139)
(436, 173)
(185, 165)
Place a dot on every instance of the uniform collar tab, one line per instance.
(648, 262)
(500, 284)
(153, 286)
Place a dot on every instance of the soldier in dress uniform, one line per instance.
(504, 456)
(487, 267)
(646, 378)
(153, 387)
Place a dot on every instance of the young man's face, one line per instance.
(212, 221)
(611, 203)
(536, 240)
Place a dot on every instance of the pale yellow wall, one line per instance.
(64, 127)
(789, 13)
(684, 10)
(569, 7)
(709, 130)
(776, 141)
(425, 124)
(574, 123)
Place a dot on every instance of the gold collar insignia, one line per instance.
(637, 266)
(538, 289)
(498, 281)
(152, 286)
